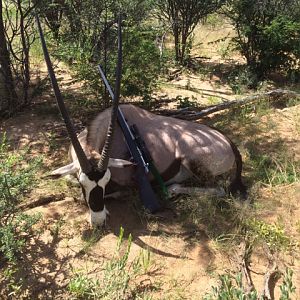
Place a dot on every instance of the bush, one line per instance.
(121, 279)
(84, 44)
(231, 288)
(268, 33)
(141, 62)
(16, 178)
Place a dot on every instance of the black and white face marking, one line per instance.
(93, 188)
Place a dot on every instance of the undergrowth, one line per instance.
(120, 277)
(231, 288)
(274, 170)
(17, 177)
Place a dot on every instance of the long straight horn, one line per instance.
(102, 165)
(84, 163)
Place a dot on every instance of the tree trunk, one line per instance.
(25, 58)
(184, 37)
(8, 95)
(176, 43)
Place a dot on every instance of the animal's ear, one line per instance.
(119, 163)
(112, 162)
(63, 171)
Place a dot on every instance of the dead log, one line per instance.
(275, 94)
(243, 260)
(270, 281)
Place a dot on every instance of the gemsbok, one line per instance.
(180, 150)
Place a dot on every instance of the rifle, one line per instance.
(146, 192)
(149, 160)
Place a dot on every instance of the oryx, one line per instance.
(180, 150)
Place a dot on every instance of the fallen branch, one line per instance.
(269, 282)
(188, 115)
(244, 263)
(42, 201)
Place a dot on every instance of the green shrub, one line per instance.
(118, 278)
(272, 234)
(287, 287)
(231, 288)
(141, 62)
(186, 102)
(275, 170)
(16, 178)
(88, 37)
(268, 33)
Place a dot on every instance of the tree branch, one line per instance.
(225, 105)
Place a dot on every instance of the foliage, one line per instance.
(118, 274)
(182, 17)
(287, 287)
(84, 45)
(241, 79)
(230, 288)
(18, 27)
(274, 170)
(268, 33)
(272, 234)
(141, 61)
(185, 102)
(16, 178)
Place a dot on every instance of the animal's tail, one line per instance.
(237, 185)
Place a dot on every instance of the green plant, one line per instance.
(274, 170)
(17, 177)
(142, 63)
(83, 45)
(287, 287)
(241, 79)
(16, 173)
(230, 289)
(82, 287)
(214, 20)
(267, 33)
(182, 17)
(118, 277)
(272, 234)
(212, 100)
(185, 102)
(224, 49)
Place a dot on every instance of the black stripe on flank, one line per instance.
(96, 199)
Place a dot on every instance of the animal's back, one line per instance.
(168, 139)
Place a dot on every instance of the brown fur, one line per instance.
(204, 151)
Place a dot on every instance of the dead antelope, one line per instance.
(180, 150)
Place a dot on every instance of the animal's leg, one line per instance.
(181, 176)
(176, 189)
